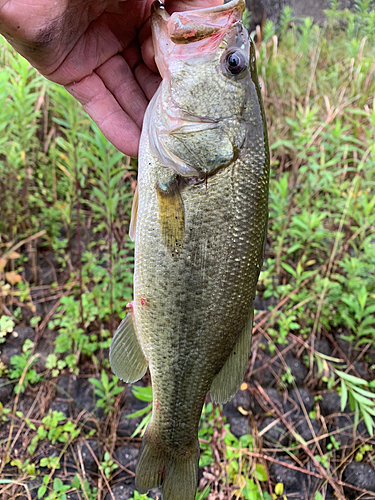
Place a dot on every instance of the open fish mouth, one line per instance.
(206, 28)
(191, 26)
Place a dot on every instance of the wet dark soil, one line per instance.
(293, 419)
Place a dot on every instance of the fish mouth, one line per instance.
(194, 25)
(203, 28)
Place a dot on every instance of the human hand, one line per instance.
(100, 50)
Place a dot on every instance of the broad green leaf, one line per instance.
(351, 378)
(260, 472)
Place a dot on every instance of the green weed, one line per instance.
(106, 391)
(108, 466)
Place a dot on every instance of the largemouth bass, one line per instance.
(199, 220)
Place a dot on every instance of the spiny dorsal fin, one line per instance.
(171, 217)
(125, 354)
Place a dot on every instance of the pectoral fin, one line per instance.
(171, 217)
(228, 380)
(125, 354)
(133, 220)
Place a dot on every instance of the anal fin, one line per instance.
(127, 360)
(227, 382)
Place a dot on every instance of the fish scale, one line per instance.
(200, 224)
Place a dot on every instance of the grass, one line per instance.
(66, 193)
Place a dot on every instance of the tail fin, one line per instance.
(176, 473)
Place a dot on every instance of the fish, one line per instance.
(199, 220)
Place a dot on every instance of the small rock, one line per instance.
(67, 387)
(277, 433)
(330, 403)
(24, 403)
(69, 464)
(303, 395)
(360, 475)
(6, 390)
(61, 406)
(345, 425)
(260, 304)
(239, 426)
(260, 403)
(370, 356)
(127, 426)
(88, 460)
(346, 347)
(33, 487)
(44, 348)
(292, 480)
(14, 343)
(303, 428)
(20, 334)
(312, 483)
(127, 457)
(121, 492)
(298, 370)
(86, 400)
(241, 399)
(362, 369)
(262, 372)
(362, 430)
(7, 353)
(72, 496)
(322, 346)
(330, 494)
(47, 272)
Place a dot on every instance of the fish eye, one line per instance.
(235, 62)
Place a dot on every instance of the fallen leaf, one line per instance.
(13, 255)
(13, 278)
(242, 410)
(3, 263)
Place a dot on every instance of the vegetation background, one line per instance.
(66, 275)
